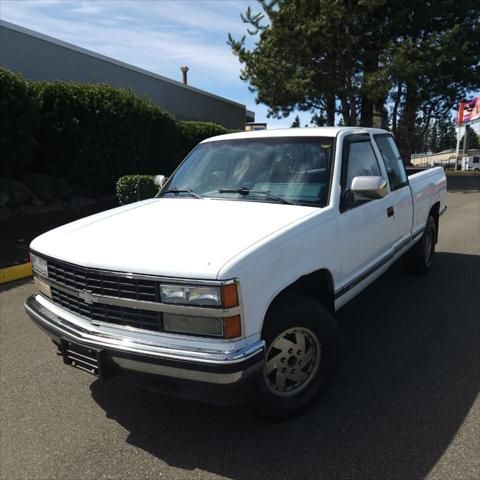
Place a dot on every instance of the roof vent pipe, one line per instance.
(184, 70)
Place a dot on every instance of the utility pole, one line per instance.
(465, 141)
(459, 133)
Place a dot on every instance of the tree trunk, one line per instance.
(380, 119)
(395, 108)
(330, 110)
(366, 114)
(406, 128)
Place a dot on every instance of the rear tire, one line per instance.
(302, 353)
(419, 258)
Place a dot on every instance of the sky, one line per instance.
(157, 35)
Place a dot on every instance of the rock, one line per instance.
(37, 209)
(61, 188)
(108, 198)
(5, 213)
(4, 192)
(36, 202)
(77, 201)
(19, 194)
(47, 189)
(13, 193)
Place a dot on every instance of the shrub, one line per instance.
(93, 134)
(18, 122)
(89, 134)
(132, 188)
(193, 132)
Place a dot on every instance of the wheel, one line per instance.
(302, 353)
(419, 258)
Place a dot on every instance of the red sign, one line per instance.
(468, 111)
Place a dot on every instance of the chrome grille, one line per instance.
(132, 317)
(101, 282)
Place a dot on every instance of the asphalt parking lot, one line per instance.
(404, 405)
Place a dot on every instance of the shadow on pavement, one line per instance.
(463, 183)
(409, 377)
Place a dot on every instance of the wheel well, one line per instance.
(435, 213)
(317, 285)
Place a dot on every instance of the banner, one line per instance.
(468, 111)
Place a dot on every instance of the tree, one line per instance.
(296, 122)
(355, 57)
(473, 141)
(311, 56)
(434, 60)
(447, 136)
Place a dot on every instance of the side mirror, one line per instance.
(160, 180)
(368, 188)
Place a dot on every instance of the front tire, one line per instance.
(302, 353)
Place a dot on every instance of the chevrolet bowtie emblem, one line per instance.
(87, 296)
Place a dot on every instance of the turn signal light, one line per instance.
(229, 295)
(232, 327)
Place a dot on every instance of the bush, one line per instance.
(18, 122)
(193, 132)
(89, 134)
(132, 188)
(93, 134)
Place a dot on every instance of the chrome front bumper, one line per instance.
(199, 365)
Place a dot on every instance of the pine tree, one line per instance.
(353, 58)
(296, 122)
(472, 139)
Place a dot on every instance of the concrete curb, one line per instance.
(16, 272)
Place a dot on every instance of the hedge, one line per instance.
(18, 119)
(132, 188)
(92, 134)
(89, 134)
(193, 132)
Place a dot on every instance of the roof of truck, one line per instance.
(294, 132)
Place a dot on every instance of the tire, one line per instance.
(419, 258)
(302, 353)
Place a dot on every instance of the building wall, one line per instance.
(38, 57)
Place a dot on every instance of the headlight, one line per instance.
(191, 295)
(39, 265)
(207, 296)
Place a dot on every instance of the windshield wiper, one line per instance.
(182, 190)
(246, 191)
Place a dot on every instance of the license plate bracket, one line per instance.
(85, 358)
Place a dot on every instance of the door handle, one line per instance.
(390, 211)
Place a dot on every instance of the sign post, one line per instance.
(468, 112)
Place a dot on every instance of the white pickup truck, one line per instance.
(232, 274)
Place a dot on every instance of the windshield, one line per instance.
(292, 170)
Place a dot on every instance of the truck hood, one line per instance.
(189, 238)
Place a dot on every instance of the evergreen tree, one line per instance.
(352, 58)
(296, 122)
(473, 141)
(447, 136)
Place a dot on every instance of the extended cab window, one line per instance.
(393, 162)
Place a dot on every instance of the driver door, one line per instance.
(365, 227)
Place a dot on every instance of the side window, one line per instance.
(361, 162)
(393, 162)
